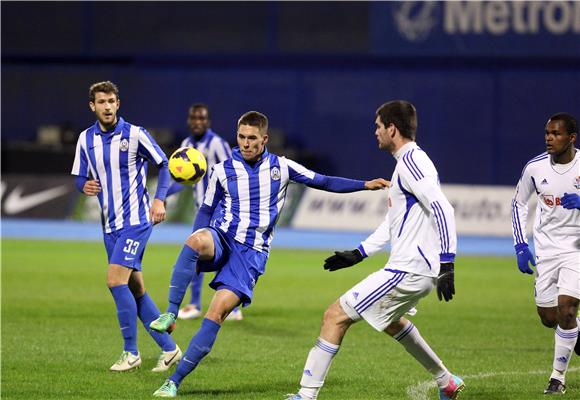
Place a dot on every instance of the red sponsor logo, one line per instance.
(550, 200)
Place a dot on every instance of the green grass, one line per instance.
(60, 334)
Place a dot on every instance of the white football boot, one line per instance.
(126, 362)
(167, 359)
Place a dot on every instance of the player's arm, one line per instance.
(213, 195)
(80, 169)
(419, 177)
(301, 174)
(524, 190)
(149, 149)
(371, 245)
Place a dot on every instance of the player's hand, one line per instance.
(377, 184)
(524, 256)
(446, 281)
(570, 201)
(343, 259)
(157, 211)
(91, 187)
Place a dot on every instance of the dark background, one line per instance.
(318, 70)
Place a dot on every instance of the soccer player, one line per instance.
(554, 177)
(215, 149)
(247, 192)
(111, 163)
(420, 224)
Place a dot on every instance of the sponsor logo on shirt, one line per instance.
(548, 199)
(551, 201)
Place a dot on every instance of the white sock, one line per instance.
(316, 368)
(415, 345)
(565, 340)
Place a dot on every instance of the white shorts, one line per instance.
(557, 276)
(385, 296)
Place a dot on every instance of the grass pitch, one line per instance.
(60, 333)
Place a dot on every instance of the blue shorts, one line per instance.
(238, 266)
(127, 245)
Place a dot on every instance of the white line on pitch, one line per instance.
(420, 390)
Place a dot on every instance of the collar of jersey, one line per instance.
(207, 135)
(404, 149)
(118, 129)
(237, 155)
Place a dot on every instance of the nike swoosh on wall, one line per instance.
(16, 203)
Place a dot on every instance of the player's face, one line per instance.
(105, 108)
(558, 140)
(252, 142)
(383, 134)
(198, 121)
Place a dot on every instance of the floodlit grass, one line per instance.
(60, 333)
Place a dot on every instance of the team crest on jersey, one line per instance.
(275, 173)
(577, 182)
(124, 145)
(549, 200)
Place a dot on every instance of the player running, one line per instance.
(111, 163)
(554, 177)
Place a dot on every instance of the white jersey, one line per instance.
(420, 222)
(556, 229)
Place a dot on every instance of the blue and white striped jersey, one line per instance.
(420, 223)
(118, 160)
(556, 229)
(215, 149)
(245, 200)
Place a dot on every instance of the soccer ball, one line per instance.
(187, 165)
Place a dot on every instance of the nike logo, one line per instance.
(132, 363)
(16, 203)
(167, 362)
(129, 258)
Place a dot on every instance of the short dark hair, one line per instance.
(254, 118)
(104, 87)
(569, 122)
(197, 106)
(402, 114)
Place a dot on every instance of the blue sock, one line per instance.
(198, 348)
(196, 284)
(127, 315)
(148, 311)
(183, 272)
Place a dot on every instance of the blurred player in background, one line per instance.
(554, 177)
(111, 163)
(248, 191)
(215, 150)
(420, 224)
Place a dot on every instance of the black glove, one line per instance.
(343, 259)
(446, 282)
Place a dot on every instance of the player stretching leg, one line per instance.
(422, 224)
(215, 150)
(111, 163)
(554, 177)
(248, 191)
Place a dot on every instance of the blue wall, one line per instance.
(480, 117)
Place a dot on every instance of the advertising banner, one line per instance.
(479, 210)
(32, 196)
(476, 28)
